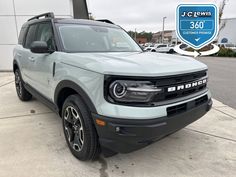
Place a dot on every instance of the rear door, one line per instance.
(25, 54)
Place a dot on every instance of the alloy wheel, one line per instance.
(73, 128)
(18, 84)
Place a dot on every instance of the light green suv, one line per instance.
(111, 96)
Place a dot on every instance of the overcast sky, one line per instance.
(146, 14)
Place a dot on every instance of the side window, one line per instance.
(22, 35)
(45, 33)
(30, 37)
(160, 46)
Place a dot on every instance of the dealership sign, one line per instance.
(197, 25)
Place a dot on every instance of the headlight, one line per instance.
(128, 91)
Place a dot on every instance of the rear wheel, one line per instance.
(80, 133)
(22, 93)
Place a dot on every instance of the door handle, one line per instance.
(31, 59)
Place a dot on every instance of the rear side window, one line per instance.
(21, 36)
(30, 37)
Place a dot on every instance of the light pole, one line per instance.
(163, 29)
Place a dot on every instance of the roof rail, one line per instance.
(106, 21)
(46, 15)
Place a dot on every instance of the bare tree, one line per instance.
(221, 12)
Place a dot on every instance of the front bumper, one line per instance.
(127, 135)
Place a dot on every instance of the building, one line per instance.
(228, 34)
(13, 13)
(157, 37)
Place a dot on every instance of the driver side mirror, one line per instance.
(39, 47)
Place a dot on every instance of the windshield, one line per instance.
(81, 38)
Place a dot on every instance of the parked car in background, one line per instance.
(148, 44)
(184, 46)
(227, 46)
(165, 48)
(152, 47)
(149, 49)
(161, 48)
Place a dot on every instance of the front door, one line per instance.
(41, 65)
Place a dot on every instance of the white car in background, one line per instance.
(227, 46)
(161, 48)
(149, 47)
(165, 48)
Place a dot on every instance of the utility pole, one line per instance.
(163, 29)
(80, 9)
(135, 35)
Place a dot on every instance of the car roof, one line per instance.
(84, 22)
(104, 23)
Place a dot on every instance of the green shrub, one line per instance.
(226, 53)
(222, 53)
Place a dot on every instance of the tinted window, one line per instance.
(161, 46)
(21, 36)
(45, 33)
(183, 46)
(30, 36)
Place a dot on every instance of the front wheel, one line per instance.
(79, 131)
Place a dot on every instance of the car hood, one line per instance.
(134, 63)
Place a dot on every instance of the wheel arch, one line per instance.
(66, 88)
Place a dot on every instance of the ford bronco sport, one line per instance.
(111, 96)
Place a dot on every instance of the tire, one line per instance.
(153, 50)
(79, 130)
(22, 93)
(171, 51)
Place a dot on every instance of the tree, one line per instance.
(144, 34)
(221, 12)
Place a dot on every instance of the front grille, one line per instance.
(176, 81)
(174, 110)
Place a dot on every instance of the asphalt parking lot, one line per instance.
(222, 78)
(32, 144)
